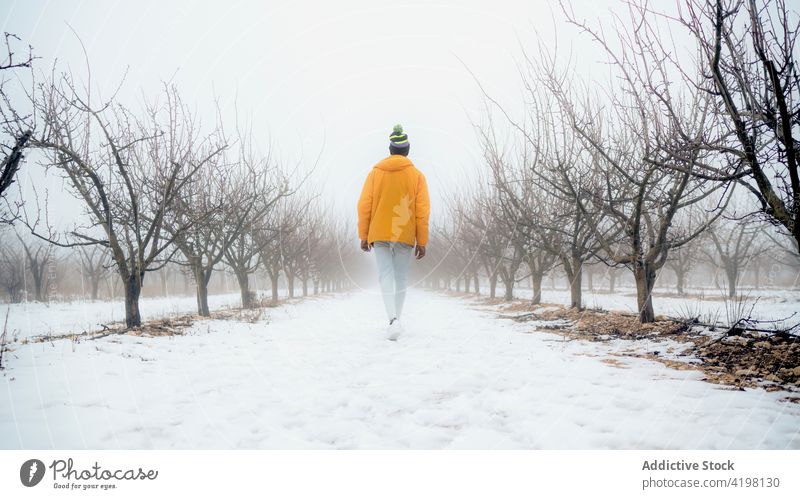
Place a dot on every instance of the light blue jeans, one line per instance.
(393, 260)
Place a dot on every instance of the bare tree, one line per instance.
(311, 234)
(342, 268)
(292, 242)
(166, 275)
(202, 247)
(38, 258)
(12, 269)
(505, 221)
(334, 254)
(530, 210)
(613, 275)
(265, 186)
(733, 245)
(482, 229)
(268, 235)
(681, 261)
(95, 263)
(455, 252)
(747, 51)
(539, 262)
(231, 195)
(540, 190)
(783, 249)
(12, 155)
(128, 171)
(640, 198)
(643, 141)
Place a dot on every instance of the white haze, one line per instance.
(311, 73)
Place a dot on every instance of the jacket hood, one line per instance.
(394, 163)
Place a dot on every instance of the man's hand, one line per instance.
(419, 252)
(365, 246)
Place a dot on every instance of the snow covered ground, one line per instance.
(767, 304)
(317, 374)
(57, 318)
(38, 319)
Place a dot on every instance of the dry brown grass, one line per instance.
(614, 363)
(738, 360)
(178, 325)
(163, 327)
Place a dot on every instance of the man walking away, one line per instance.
(393, 218)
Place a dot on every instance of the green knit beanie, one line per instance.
(398, 138)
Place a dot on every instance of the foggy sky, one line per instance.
(343, 71)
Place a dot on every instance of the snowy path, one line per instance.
(319, 375)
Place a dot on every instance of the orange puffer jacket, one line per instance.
(394, 204)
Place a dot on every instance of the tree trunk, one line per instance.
(492, 285)
(574, 271)
(575, 291)
(164, 277)
(133, 289)
(536, 285)
(95, 287)
(37, 283)
(645, 276)
(509, 294)
(273, 279)
(290, 284)
(201, 287)
(305, 287)
(476, 281)
(202, 299)
(244, 287)
(757, 277)
(732, 274)
(590, 280)
(680, 277)
(202, 294)
(612, 280)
